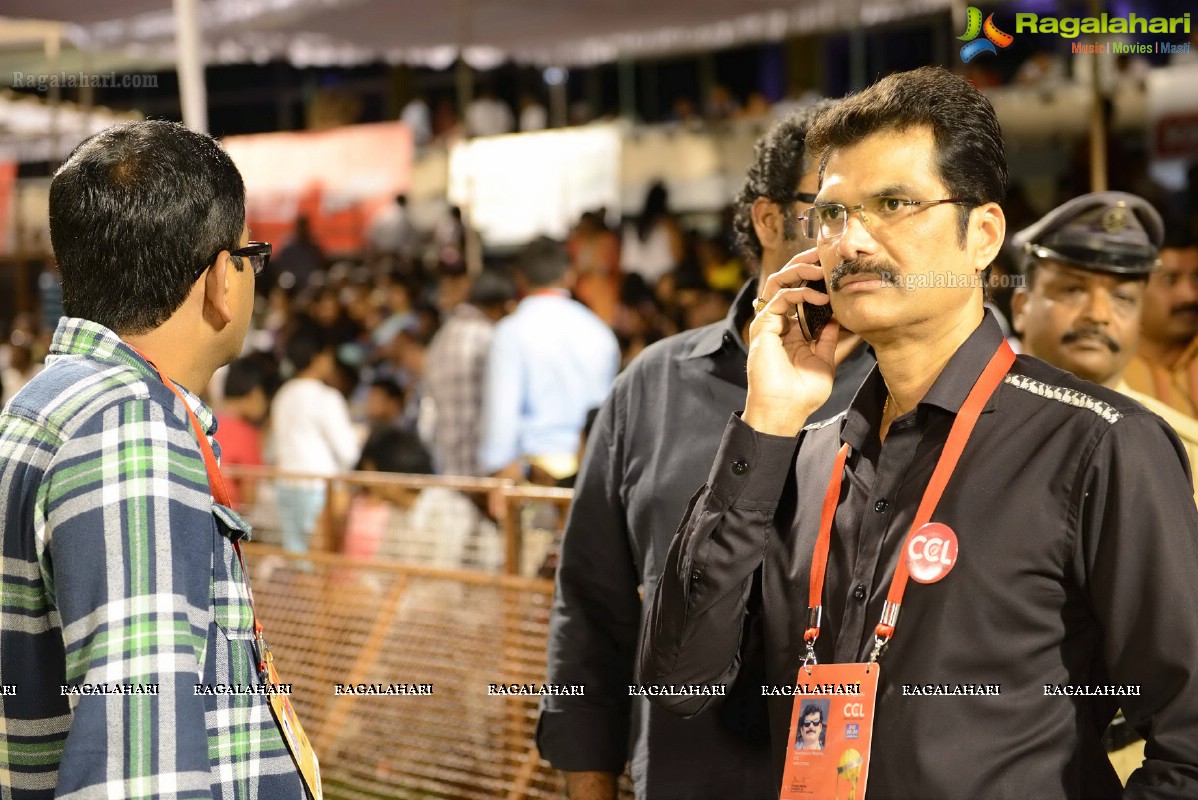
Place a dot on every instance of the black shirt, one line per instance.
(647, 455)
(1077, 566)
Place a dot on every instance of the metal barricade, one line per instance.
(414, 677)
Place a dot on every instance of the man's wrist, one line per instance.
(591, 786)
(775, 421)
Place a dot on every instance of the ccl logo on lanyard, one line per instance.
(831, 723)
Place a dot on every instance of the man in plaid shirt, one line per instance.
(126, 632)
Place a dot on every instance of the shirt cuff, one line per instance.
(583, 741)
(750, 468)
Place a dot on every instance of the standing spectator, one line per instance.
(384, 404)
(312, 434)
(487, 115)
(1072, 505)
(49, 290)
(435, 526)
(646, 456)
(300, 258)
(391, 233)
(119, 569)
(1087, 264)
(653, 246)
(549, 362)
(418, 118)
(595, 258)
(455, 371)
(449, 237)
(239, 421)
(1166, 364)
(533, 116)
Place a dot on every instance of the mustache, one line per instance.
(855, 266)
(1091, 333)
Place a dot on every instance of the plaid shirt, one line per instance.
(119, 575)
(455, 367)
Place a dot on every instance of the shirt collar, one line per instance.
(81, 337)
(713, 337)
(948, 392)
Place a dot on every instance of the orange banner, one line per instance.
(336, 178)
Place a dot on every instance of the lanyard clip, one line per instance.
(814, 617)
(260, 647)
(885, 629)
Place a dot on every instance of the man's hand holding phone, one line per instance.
(789, 376)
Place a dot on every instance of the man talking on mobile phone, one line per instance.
(646, 456)
(983, 557)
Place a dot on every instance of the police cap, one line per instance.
(1103, 231)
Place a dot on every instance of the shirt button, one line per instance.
(859, 593)
(696, 575)
(881, 506)
(740, 466)
(727, 338)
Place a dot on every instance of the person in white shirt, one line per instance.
(488, 116)
(312, 434)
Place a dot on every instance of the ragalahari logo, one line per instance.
(974, 46)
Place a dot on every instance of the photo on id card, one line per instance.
(831, 726)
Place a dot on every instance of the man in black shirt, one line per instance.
(654, 436)
(1072, 589)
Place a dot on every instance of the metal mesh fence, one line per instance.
(392, 657)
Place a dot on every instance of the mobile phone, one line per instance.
(813, 318)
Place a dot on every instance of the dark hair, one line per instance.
(1178, 233)
(393, 449)
(135, 213)
(971, 158)
(492, 288)
(245, 374)
(388, 387)
(543, 262)
(304, 345)
(779, 161)
(657, 206)
(809, 709)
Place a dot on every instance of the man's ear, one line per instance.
(989, 227)
(216, 290)
(767, 222)
(1019, 300)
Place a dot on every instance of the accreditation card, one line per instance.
(831, 726)
(293, 734)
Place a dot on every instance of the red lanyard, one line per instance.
(220, 493)
(958, 435)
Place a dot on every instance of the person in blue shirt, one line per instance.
(549, 363)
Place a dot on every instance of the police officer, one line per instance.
(1086, 265)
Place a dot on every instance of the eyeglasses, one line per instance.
(828, 220)
(258, 254)
(812, 723)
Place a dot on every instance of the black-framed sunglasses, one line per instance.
(258, 254)
(810, 723)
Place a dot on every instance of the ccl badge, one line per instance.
(931, 552)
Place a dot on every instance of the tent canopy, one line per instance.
(486, 32)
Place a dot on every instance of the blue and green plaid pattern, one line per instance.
(119, 571)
